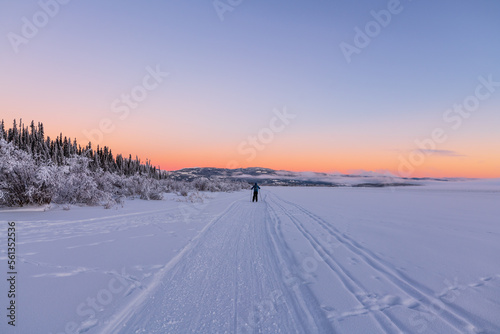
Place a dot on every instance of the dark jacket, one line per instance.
(256, 188)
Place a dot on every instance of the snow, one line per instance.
(303, 260)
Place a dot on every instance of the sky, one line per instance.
(409, 87)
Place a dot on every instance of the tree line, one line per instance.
(32, 140)
(37, 170)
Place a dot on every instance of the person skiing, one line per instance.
(255, 192)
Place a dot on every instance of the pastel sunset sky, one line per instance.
(409, 87)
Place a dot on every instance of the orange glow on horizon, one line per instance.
(292, 155)
(445, 170)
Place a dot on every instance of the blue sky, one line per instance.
(226, 77)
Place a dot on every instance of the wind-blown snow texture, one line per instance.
(302, 260)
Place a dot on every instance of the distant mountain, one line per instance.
(271, 177)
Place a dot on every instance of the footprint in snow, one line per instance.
(410, 303)
(390, 300)
(476, 285)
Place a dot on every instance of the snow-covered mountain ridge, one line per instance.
(271, 177)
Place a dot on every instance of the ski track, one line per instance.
(231, 281)
(456, 317)
(69, 229)
(301, 298)
(240, 275)
(385, 323)
(116, 323)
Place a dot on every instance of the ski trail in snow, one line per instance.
(116, 322)
(301, 298)
(242, 274)
(231, 280)
(69, 229)
(384, 321)
(458, 318)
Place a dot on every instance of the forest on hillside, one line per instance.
(35, 169)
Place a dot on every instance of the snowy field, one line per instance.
(302, 260)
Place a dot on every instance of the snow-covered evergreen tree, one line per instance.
(38, 170)
(22, 181)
